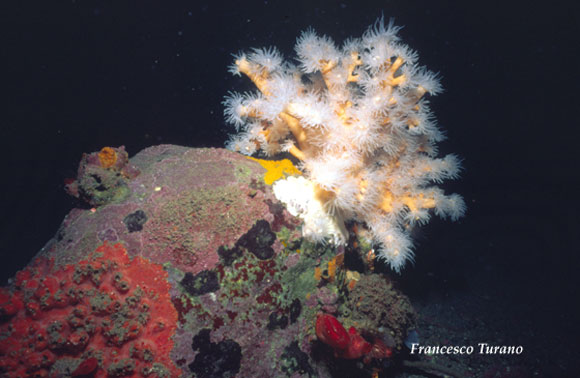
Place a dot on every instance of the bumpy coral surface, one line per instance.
(107, 316)
(379, 306)
(102, 177)
(245, 287)
(358, 119)
(180, 209)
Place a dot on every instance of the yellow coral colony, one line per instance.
(357, 119)
(276, 169)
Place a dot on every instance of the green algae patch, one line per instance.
(243, 173)
(189, 223)
(299, 280)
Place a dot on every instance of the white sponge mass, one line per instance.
(298, 194)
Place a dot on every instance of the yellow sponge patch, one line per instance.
(277, 169)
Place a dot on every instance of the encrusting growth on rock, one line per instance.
(106, 316)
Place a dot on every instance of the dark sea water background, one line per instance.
(81, 75)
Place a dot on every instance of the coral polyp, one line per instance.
(357, 118)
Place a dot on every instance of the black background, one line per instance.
(80, 75)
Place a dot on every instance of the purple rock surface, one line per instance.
(183, 206)
(246, 286)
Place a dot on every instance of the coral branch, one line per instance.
(357, 119)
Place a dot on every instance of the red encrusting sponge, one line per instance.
(349, 345)
(107, 316)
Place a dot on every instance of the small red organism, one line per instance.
(9, 304)
(348, 345)
(379, 350)
(357, 346)
(86, 367)
(331, 332)
(88, 316)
